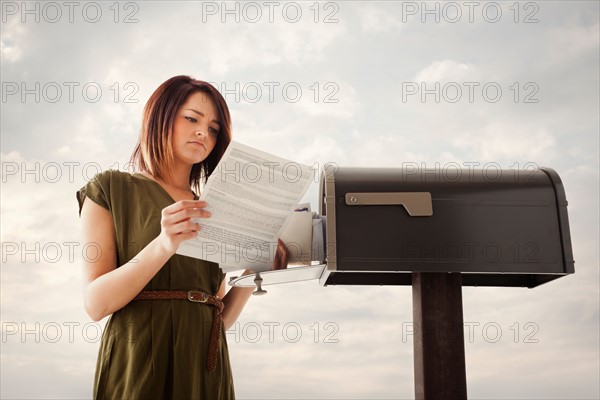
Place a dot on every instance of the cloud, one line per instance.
(335, 99)
(288, 39)
(377, 19)
(574, 41)
(501, 141)
(448, 70)
(11, 44)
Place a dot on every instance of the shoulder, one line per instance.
(111, 175)
(113, 179)
(104, 188)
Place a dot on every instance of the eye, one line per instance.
(213, 131)
(191, 119)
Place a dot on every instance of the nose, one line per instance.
(201, 134)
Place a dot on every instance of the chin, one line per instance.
(197, 157)
(196, 161)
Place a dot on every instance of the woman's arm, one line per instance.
(108, 288)
(237, 297)
(235, 300)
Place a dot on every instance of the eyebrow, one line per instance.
(202, 114)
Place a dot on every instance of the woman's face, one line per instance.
(195, 129)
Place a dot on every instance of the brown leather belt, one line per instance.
(196, 297)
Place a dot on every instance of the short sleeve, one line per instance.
(97, 189)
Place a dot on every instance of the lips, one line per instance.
(197, 144)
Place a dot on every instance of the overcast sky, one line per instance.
(313, 82)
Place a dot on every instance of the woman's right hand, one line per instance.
(176, 225)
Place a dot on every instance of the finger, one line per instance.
(277, 262)
(184, 215)
(281, 247)
(192, 213)
(281, 258)
(184, 204)
(183, 227)
(188, 236)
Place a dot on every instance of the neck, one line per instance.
(180, 178)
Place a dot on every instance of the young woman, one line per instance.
(165, 338)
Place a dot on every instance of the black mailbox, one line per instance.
(495, 227)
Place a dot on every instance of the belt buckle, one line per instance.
(197, 297)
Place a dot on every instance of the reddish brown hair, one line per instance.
(154, 150)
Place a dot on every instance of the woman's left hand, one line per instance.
(281, 257)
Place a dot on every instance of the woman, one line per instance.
(166, 335)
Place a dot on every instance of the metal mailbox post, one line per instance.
(438, 230)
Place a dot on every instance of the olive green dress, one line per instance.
(156, 349)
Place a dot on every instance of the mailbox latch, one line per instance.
(417, 204)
